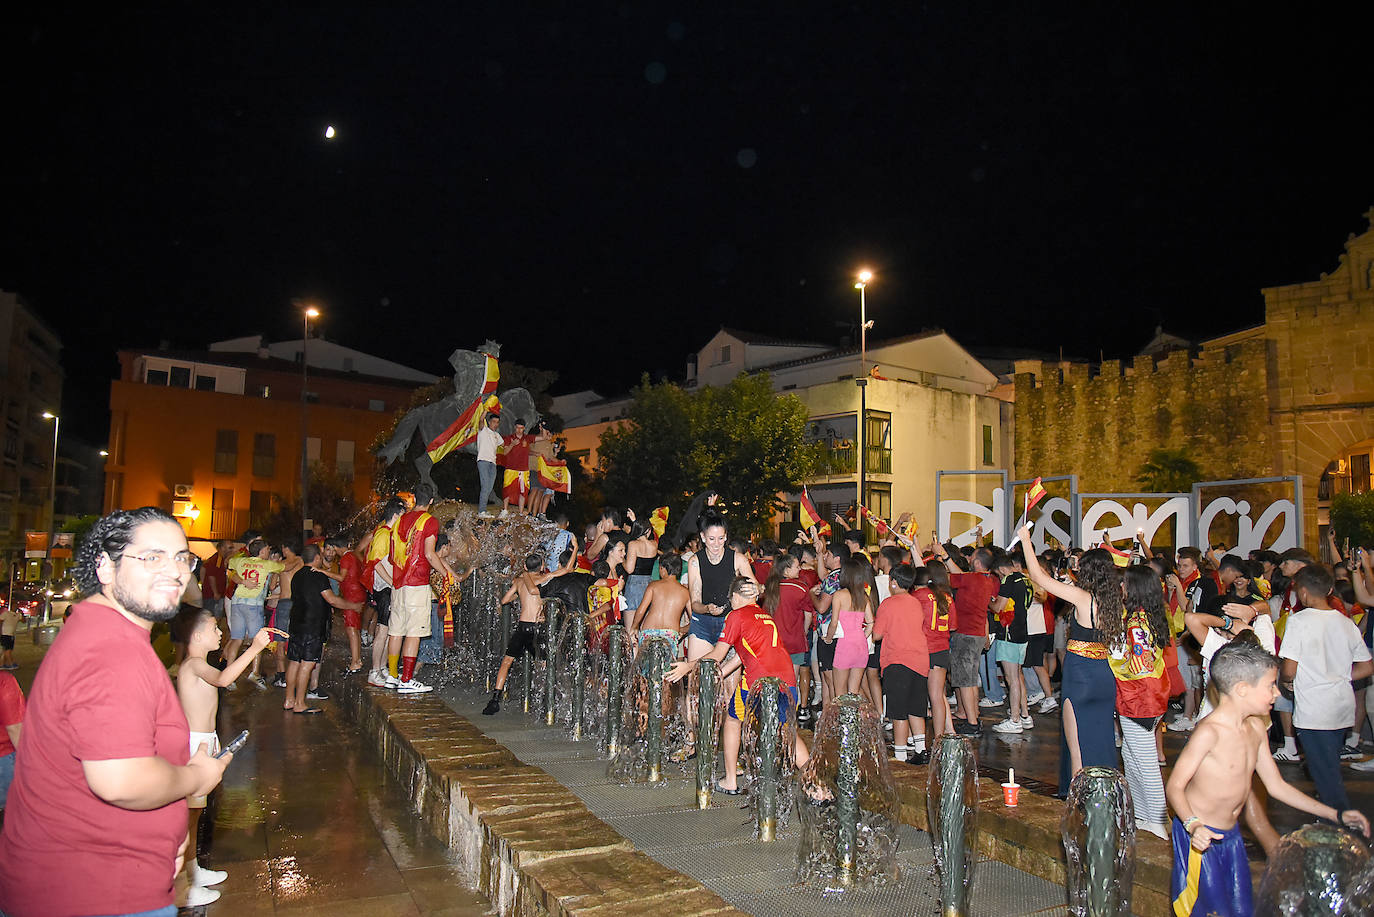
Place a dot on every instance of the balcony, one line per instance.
(839, 458)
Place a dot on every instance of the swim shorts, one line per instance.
(1213, 882)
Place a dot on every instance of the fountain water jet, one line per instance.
(552, 608)
(952, 814)
(1318, 870)
(768, 745)
(1098, 830)
(848, 803)
(707, 694)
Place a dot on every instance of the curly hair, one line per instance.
(1099, 575)
(110, 536)
(1145, 592)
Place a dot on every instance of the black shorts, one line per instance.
(1037, 646)
(905, 691)
(873, 659)
(381, 600)
(825, 655)
(940, 660)
(524, 639)
(7, 641)
(301, 648)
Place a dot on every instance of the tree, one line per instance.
(1168, 471)
(741, 439)
(331, 505)
(1352, 516)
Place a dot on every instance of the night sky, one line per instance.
(600, 188)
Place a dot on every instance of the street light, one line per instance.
(864, 324)
(52, 509)
(310, 312)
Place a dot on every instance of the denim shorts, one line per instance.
(245, 620)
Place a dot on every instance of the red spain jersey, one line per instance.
(754, 635)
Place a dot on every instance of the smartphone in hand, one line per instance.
(239, 741)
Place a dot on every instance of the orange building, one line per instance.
(215, 436)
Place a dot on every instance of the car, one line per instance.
(62, 594)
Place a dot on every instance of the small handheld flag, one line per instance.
(658, 521)
(809, 517)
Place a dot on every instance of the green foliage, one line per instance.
(741, 439)
(1168, 471)
(331, 504)
(1352, 516)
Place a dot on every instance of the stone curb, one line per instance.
(523, 839)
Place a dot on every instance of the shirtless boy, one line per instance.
(660, 611)
(525, 638)
(1211, 781)
(198, 685)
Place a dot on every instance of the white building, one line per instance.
(931, 406)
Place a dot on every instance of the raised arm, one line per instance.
(1066, 591)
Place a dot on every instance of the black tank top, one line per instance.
(715, 578)
(644, 566)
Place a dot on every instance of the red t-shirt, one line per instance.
(973, 592)
(214, 571)
(11, 710)
(409, 565)
(761, 571)
(898, 626)
(100, 694)
(351, 587)
(935, 627)
(793, 604)
(809, 576)
(754, 635)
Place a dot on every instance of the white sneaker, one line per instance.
(1288, 756)
(413, 687)
(376, 678)
(1362, 766)
(199, 896)
(1047, 705)
(989, 702)
(257, 682)
(1012, 726)
(1027, 722)
(1182, 723)
(391, 680)
(503, 514)
(485, 515)
(199, 875)
(1036, 698)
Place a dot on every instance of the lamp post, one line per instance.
(52, 510)
(864, 277)
(310, 312)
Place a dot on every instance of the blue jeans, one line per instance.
(168, 911)
(1032, 680)
(992, 688)
(6, 777)
(432, 647)
(486, 479)
(1322, 750)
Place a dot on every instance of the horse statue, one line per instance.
(430, 420)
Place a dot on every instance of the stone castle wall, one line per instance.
(1101, 425)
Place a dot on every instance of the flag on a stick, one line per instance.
(809, 516)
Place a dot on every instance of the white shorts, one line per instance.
(198, 739)
(410, 611)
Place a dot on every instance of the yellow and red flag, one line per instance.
(554, 474)
(809, 516)
(658, 521)
(464, 429)
(874, 520)
(1119, 557)
(1034, 495)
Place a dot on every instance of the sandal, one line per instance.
(308, 710)
(737, 791)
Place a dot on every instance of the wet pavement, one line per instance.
(309, 822)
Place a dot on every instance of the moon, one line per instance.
(329, 132)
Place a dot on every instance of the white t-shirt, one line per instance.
(884, 583)
(1264, 631)
(1324, 643)
(488, 441)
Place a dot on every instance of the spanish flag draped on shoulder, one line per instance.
(554, 474)
(809, 516)
(464, 430)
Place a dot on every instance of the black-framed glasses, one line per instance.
(156, 560)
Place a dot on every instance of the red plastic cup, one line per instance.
(1010, 792)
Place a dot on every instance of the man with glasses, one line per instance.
(96, 817)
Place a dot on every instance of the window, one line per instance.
(312, 449)
(180, 377)
(226, 452)
(725, 354)
(376, 404)
(156, 377)
(987, 444)
(1359, 473)
(205, 383)
(343, 458)
(264, 455)
(259, 508)
(880, 503)
(222, 513)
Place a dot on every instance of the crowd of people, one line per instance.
(933, 636)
